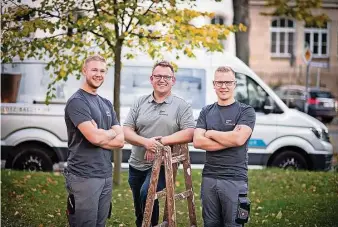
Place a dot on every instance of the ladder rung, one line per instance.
(178, 158)
(179, 196)
(160, 194)
(163, 224)
(183, 195)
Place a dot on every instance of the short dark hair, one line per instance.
(164, 63)
(225, 69)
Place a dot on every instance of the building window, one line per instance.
(317, 39)
(282, 37)
(220, 20)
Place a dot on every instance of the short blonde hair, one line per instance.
(225, 69)
(94, 57)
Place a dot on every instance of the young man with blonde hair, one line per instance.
(93, 131)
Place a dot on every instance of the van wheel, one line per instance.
(32, 158)
(290, 160)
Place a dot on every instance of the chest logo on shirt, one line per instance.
(108, 113)
(229, 122)
(162, 112)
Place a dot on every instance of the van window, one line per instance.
(190, 85)
(249, 92)
(34, 83)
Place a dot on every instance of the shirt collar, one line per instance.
(167, 100)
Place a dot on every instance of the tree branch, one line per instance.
(145, 12)
(146, 36)
(116, 25)
(95, 8)
(131, 17)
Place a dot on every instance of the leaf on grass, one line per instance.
(33, 189)
(16, 213)
(50, 215)
(50, 180)
(20, 196)
(41, 225)
(279, 215)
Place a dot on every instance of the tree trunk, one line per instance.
(117, 86)
(241, 15)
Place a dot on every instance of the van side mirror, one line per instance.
(268, 105)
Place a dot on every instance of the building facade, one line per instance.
(277, 47)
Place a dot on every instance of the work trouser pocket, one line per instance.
(243, 209)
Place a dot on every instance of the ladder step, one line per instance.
(161, 194)
(179, 196)
(178, 158)
(163, 224)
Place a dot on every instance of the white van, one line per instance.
(33, 135)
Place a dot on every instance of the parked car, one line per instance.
(321, 103)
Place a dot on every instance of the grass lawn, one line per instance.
(279, 198)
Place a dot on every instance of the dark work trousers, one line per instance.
(139, 183)
(92, 200)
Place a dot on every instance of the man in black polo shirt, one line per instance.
(223, 129)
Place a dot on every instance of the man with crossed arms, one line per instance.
(223, 129)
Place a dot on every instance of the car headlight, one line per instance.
(321, 134)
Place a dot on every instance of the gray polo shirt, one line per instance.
(150, 119)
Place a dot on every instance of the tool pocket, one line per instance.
(243, 209)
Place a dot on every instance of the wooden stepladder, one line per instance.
(171, 159)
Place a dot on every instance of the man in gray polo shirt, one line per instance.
(223, 129)
(157, 119)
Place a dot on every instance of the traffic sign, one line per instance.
(319, 64)
(307, 55)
